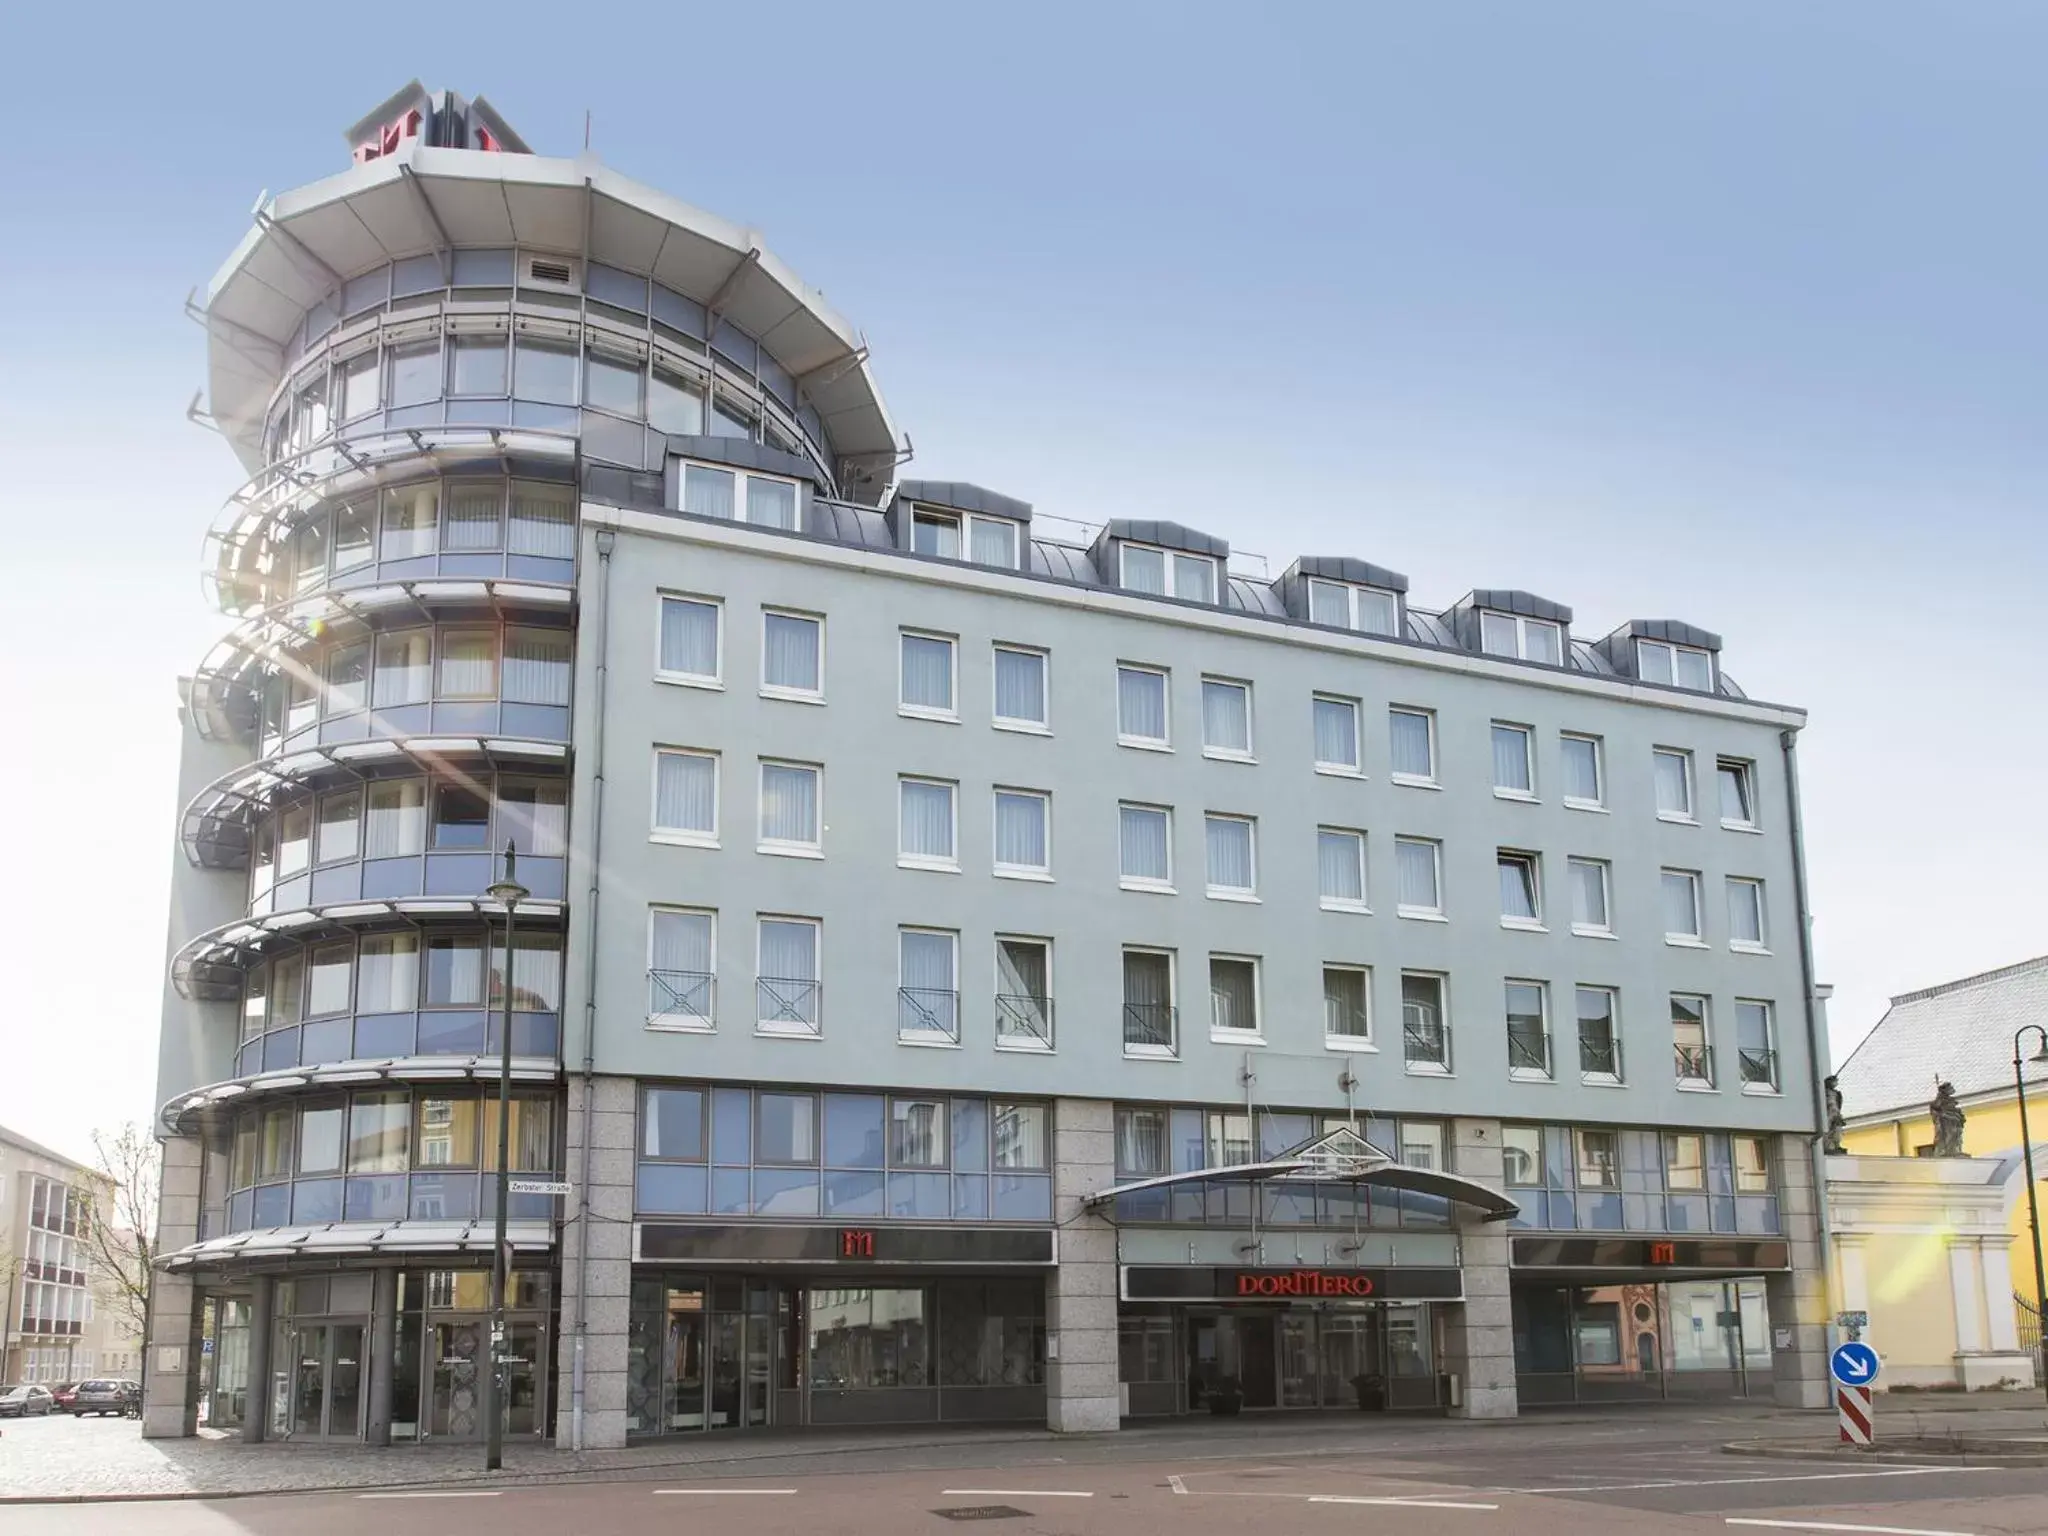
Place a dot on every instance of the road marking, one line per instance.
(728, 1492)
(1173, 1481)
(440, 1493)
(1412, 1503)
(1822, 1525)
(1724, 1482)
(1013, 1493)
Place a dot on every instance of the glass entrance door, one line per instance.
(323, 1374)
(525, 1349)
(1300, 1376)
(309, 1379)
(741, 1369)
(1256, 1368)
(1352, 1372)
(345, 1379)
(455, 1411)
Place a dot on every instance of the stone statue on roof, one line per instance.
(1948, 1122)
(1831, 1143)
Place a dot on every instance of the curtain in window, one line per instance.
(991, 542)
(543, 521)
(927, 820)
(1581, 769)
(1328, 603)
(1412, 755)
(469, 664)
(927, 961)
(1674, 794)
(1734, 793)
(536, 666)
(1230, 853)
(1148, 996)
(536, 817)
(536, 973)
(1339, 877)
(1344, 1012)
(1144, 570)
(473, 514)
(455, 970)
(708, 492)
(1695, 670)
(1517, 889)
(681, 941)
(354, 537)
(1021, 969)
(689, 637)
(686, 792)
(1141, 704)
(1144, 844)
(1510, 758)
(397, 820)
(1336, 732)
(927, 673)
(404, 672)
(1020, 830)
(1681, 905)
(1141, 1142)
(789, 804)
(1745, 912)
(1226, 717)
(1415, 864)
(388, 976)
(789, 652)
(771, 503)
(412, 516)
(1194, 577)
(1233, 995)
(1020, 686)
(1378, 612)
(789, 952)
(1589, 895)
(1753, 1026)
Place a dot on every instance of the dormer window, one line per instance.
(1505, 634)
(1686, 666)
(1167, 573)
(1369, 610)
(991, 541)
(936, 533)
(739, 496)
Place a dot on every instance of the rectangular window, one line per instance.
(613, 384)
(1695, 1059)
(477, 366)
(1417, 869)
(355, 536)
(455, 970)
(1023, 828)
(358, 386)
(927, 824)
(994, 541)
(1755, 1043)
(686, 797)
(1232, 867)
(1414, 745)
(329, 978)
(475, 512)
(792, 655)
(1505, 634)
(708, 492)
(1021, 693)
(444, 1133)
(1752, 1165)
(534, 813)
(1340, 869)
(1145, 841)
(294, 840)
(1233, 995)
(681, 968)
(1522, 1156)
(405, 673)
(388, 973)
(672, 1124)
(462, 816)
(1528, 1017)
(1142, 718)
(469, 664)
(1425, 1032)
(320, 1139)
(936, 533)
(1599, 1035)
(928, 995)
(537, 665)
(1598, 1166)
(1023, 993)
(1336, 734)
(1681, 906)
(1514, 774)
(1738, 792)
(917, 1133)
(415, 373)
(1226, 719)
(397, 819)
(692, 636)
(1019, 1134)
(1682, 666)
(542, 521)
(1347, 1007)
(544, 372)
(771, 503)
(1674, 783)
(787, 969)
(378, 1127)
(348, 680)
(1589, 880)
(1585, 784)
(1685, 1160)
(1521, 890)
(340, 834)
(1149, 1014)
(1369, 610)
(1746, 915)
(411, 522)
(927, 676)
(1167, 573)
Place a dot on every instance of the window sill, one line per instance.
(1762, 1091)
(1523, 795)
(1245, 898)
(1528, 1075)
(1741, 826)
(769, 1030)
(1339, 771)
(1583, 931)
(1144, 744)
(1148, 887)
(1601, 1080)
(1413, 782)
(1680, 941)
(1021, 727)
(682, 839)
(918, 1042)
(1236, 1037)
(1748, 949)
(1041, 876)
(1585, 805)
(673, 1024)
(1523, 925)
(1694, 1085)
(934, 866)
(1678, 820)
(938, 716)
(1149, 1053)
(1025, 1048)
(1357, 908)
(1357, 1044)
(793, 695)
(788, 851)
(1220, 755)
(1425, 1069)
(690, 680)
(1420, 915)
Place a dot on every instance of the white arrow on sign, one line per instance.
(538, 1186)
(1855, 1368)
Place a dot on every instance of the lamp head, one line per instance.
(2040, 1057)
(508, 892)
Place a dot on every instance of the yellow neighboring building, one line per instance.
(1959, 1033)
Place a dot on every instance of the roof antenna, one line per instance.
(586, 129)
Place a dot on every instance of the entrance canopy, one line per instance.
(1339, 1156)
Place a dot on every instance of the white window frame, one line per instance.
(1433, 914)
(783, 690)
(1775, 1087)
(1613, 995)
(1745, 769)
(1689, 817)
(1528, 735)
(1606, 872)
(714, 680)
(1671, 651)
(1172, 571)
(1693, 1084)
(906, 860)
(740, 477)
(776, 846)
(1522, 625)
(1145, 882)
(1356, 768)
(779, 1028)
(1004, 1042)
(1534, 863)
(1017, 723)
(1442, 1068)
(1248, 753)
(685, 1023)
(1354, 604)
(1041, 872)
(684, 837)
(1256, 1035)
(1697, 938)
(1428, 718)
(1331, 903)
(1015, 530)
(1599, 746)
(1145, 743)
(1761, 945)
(1171, 1050)
(931, 1040)
(1213, 891)
(949, 713)
(945, 515)
(1366, 1041)
(1548, 1071)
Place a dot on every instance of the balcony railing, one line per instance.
(1425, 1038)
(1695, 1063)
(789, 1002)
(1759, 1067)
(928, 1014)
(1150, 1025)
(1599, 1055)
(681, 997)
(1528, 1052)
(1024, 1019)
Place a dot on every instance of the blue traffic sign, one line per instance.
(1853, 1365)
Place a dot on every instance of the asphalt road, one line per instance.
(1577, 1480)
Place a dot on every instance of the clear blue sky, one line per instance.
(1726, 311)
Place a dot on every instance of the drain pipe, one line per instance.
(1815, 1052)
(605, 540)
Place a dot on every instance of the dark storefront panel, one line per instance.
(846, 1246)
(1194, 1283)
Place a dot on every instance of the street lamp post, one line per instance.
(2019, 1079)
(510, 893)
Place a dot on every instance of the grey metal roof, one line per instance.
(1253, 597)
(1513, 600)
(1345, 568)
(1166, 535)
(1960, 1032)
(960, 496)
(1676, 631)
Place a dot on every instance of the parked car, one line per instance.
(64, 1393)
(26, 1402)
(106, 1395)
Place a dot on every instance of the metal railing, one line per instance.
(2028, 1317)
(1150, 1024)
(1528, 1053)
(927, 1013)
(1024, 1018)
(1695, 1063)
(1599, 1055)
(681, 995)
(1425, 1037)
(789, 1001)
(1759, 1067)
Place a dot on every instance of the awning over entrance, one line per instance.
(364, 1240)
(1339, 1156)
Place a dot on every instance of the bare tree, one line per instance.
(121, 1237)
